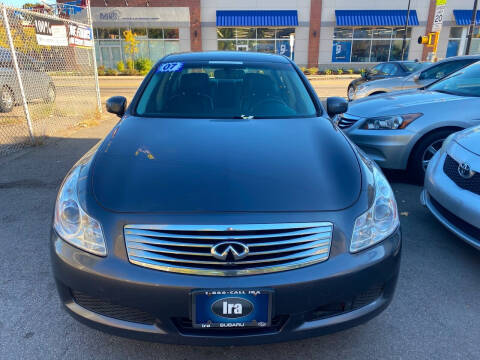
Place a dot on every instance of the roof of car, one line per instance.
(462, 57)
(225, 56)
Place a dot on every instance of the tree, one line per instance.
(131, 47)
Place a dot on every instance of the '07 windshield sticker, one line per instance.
(169, 67)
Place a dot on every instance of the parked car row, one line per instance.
(434, 133)
(387, 77)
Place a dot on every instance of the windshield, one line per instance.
(413, 66)
(465, 82)
(225, 89)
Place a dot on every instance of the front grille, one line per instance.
(457, 222)
(107, 308)
(450, 168)
(188, 249)
(345, 121)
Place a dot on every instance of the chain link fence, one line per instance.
(48, 73)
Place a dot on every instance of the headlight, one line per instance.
(391, 122)
(72, 224)
(380, 220)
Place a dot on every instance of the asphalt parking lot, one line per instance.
(435, 313)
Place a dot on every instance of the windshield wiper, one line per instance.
(446, 92)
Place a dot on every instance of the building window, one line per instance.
(268, 40)
(454, 40)
(153, 43)
(369, 44)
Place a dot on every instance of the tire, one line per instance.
(350, 93)
(7, 100)
(50, 95)
(424, 151)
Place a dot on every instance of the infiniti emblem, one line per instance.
(229, 249)
(465, 171)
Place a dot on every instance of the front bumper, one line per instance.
(390, 149)
(305, 301)
(457, 209)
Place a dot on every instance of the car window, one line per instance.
(412, 66)
(225, 89)
(377, 69)
(391, 69)
(465, 82)
(441, 70)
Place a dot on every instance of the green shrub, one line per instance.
(120, 66)
(313, 70)
(340, 71)
(143, 65)
(130, 64)
(130, 72)
(101, 70)
(111, 72)
(303, 69)
(351, 71)
(328, 71)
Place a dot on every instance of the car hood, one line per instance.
(470, 139)
(202, 165)
(403, 102)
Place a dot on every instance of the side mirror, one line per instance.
(117, 105)
(336, 105)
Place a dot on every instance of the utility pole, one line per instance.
(404, 43)
(472, 26)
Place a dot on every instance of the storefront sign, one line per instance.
(80, 36)
(50, 32)
(283, 48)
(438, 17)
(341, 51)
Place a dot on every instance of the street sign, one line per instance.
(438, 17)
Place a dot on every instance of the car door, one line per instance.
(436, 72)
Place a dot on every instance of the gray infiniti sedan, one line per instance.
(452, 185)
(417, 79)
(225, 208)
(404, 130)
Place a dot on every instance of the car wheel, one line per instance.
(350, 93)
(7, 100)
(424, 151)
(50, 96)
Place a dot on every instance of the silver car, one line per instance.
(404, 130)
(452, 185)
(38, 85)
(417, 79)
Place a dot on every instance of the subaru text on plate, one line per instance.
(225, 208)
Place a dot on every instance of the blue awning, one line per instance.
(375, 17)
(257, 18)
(464, 17)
